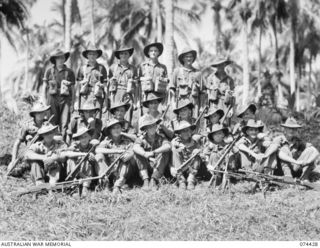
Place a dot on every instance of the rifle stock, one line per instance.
(186, 163)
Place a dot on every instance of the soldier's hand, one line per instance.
(173, 172)
(195, 151)
(126, 157)
(149, 154)
(259, 156)
(91, 157)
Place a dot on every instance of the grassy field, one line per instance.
(166, 214)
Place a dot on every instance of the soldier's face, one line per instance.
(115, 130)
(40, 117)
(153, 105)
(218, 136)
(214, 119)
(85, 140)
(119, 113)
(48, 137)
(153, 52)
(60, 60)
(248, 114)
(186, 134)
(88, 114)
(185, 113)
(92, 56)
(252, 132)
(290, 132)
(188, 59)
(151, 130)
(124, 56)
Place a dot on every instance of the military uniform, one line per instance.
(60, 100)
(79, 121)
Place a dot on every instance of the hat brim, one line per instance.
(245, 128)
(145, 103)
(192, 127)
(176, 111)
(125, 105)
(193, 52)
(251, 105)
(85, 53)
(291, 126)
(220, 111)
(224, 62)
(143, 127)
(32, 112)
(78, 135)
(53, 57)
(117, 53)
(224, 129)
(157, 45)
(53, 128)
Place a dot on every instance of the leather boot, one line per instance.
(153, 183)
(191, 186)
(145, 184)
(182, 185)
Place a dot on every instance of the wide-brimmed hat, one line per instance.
(241, 109)
(57, 53)
(291, 123)
(151, 97)
(123, 49)
(47, 127)
(81, 131)
(110, 123)
(119, 104)
(182, 104)
(216, 128)
(91, 48)
(87, 106)
(146, 121)
(254, 124)
(214, 110)
(186, 51)
(38, 107)
(221, 61)
(156, 44)
(184, 125)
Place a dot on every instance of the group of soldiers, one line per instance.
(102, 129)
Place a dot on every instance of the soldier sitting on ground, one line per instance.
(183, 147)
(152, 152)
(39, 114)
(110, 149)
(297, 157)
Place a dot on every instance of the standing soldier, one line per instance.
(152, 152)
(220, 86)
(87, 118)
(152, 74)
(183, 147)
(39, 114)
(152, 104)
(92, 78)
(110, 149)
(187, 81)
(122, 77)
(59, 92)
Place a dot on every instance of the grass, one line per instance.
(166, 214)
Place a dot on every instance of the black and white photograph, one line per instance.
(159, 120)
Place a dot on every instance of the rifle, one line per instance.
(226, 114)
(185, 164)
(162, 117)
(227, 150)
(74, 172)
(197, 122)
(68, 184)
(282, 180)
(20, 156)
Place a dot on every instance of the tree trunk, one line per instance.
(68, 12)
(26, 72)
(0, 70)
(259, 62)
(309, 94)
(169, 36)
(291, 61)
(216, 6)
(245, 61)
(93, 36)
(159, 22)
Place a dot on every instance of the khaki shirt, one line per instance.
(29, 128)
(148, 146)
(185, 78)
(221, 84)
(92, 73)
(188, 148)
(147, 69)
(122, 74)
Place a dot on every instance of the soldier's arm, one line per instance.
(138, 149)
(284, 156)
(104, 148)
(32, 155)
(166, 147)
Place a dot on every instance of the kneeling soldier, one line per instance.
(82, 144)
(183, 147)
(114, 145)
(297, 156)
(45, 156)
(152, 152)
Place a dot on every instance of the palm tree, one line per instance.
(169, 35)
